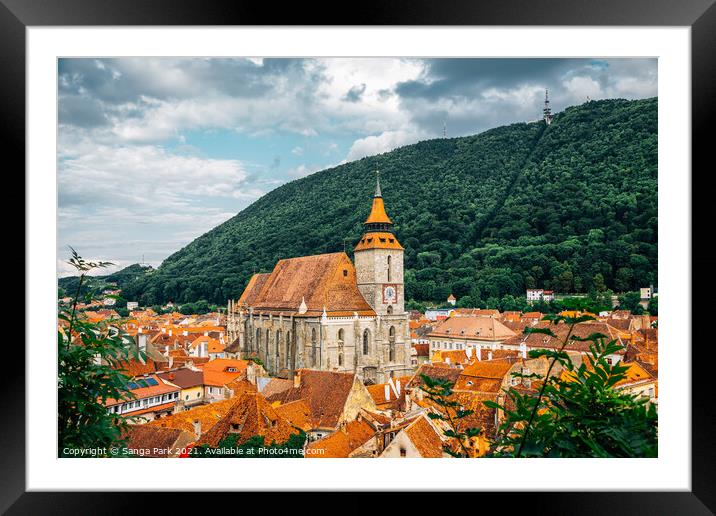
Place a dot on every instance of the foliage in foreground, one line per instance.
(575, 414)
(84, 382)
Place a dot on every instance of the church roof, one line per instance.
(253, 288)
(323, 281)
(378, 240)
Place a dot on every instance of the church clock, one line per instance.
(390, 294)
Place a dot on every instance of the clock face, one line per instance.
(390, 294)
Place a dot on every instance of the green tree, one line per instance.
(579, 413)
(86, 378)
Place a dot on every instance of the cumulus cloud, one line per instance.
(377, 144)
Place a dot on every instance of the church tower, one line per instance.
(379, 261)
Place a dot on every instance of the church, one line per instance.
(324, 312)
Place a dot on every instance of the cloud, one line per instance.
(297, 151)
(355, 93)
(377, 144)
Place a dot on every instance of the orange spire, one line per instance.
(377, 212)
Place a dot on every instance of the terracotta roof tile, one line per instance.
(250, 415)
(424, 437)
(344, 441)
(322, 281)
(325, 392)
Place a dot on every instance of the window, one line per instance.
(366, 342)
(258, 338)
(345, 273)
(391, 344)
(390, 310)
(403, 452)
(313, 347)
(340, 359)
(278, 342)
(288, 348)
(389, 269)
(341, 334)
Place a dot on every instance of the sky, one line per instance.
(154, 152)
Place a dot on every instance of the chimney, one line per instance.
(297, 379)
(479, 352)
(197, 427)
(523, 349)
(186, 333)
(387, 392)
(397, 386)
(447, 360)
(171, 362)
(203, 349)
(489, 355)
(170, 333)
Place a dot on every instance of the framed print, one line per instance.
(435, 234)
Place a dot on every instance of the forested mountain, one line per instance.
(571, 206)
(122, 278)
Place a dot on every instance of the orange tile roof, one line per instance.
(325, 392)
(298, 413)
(582, 330)
(150, 439)
(250, 415)
(253, 288)
(472, 328)
(322, 281)
(344, 441)
(378, 240)
(425, 438)
(207, 415)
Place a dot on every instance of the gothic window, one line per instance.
(278, 342)
(391, 344)
(366, 342)
(258, 338)
(288, 348)
(313, 347)
(389, 271)
(341, 342)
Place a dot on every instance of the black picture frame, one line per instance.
(700, 15)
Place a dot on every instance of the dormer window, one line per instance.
(345, 273)
(382, 240)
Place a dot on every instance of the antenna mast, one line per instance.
(547, 111)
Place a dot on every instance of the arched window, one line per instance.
(278, 343)
(341, 342)
(390, 309)
(288, 349)
(313, 347)
(258, 338)
(389, 271)
(391, 344)
(366, 342)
